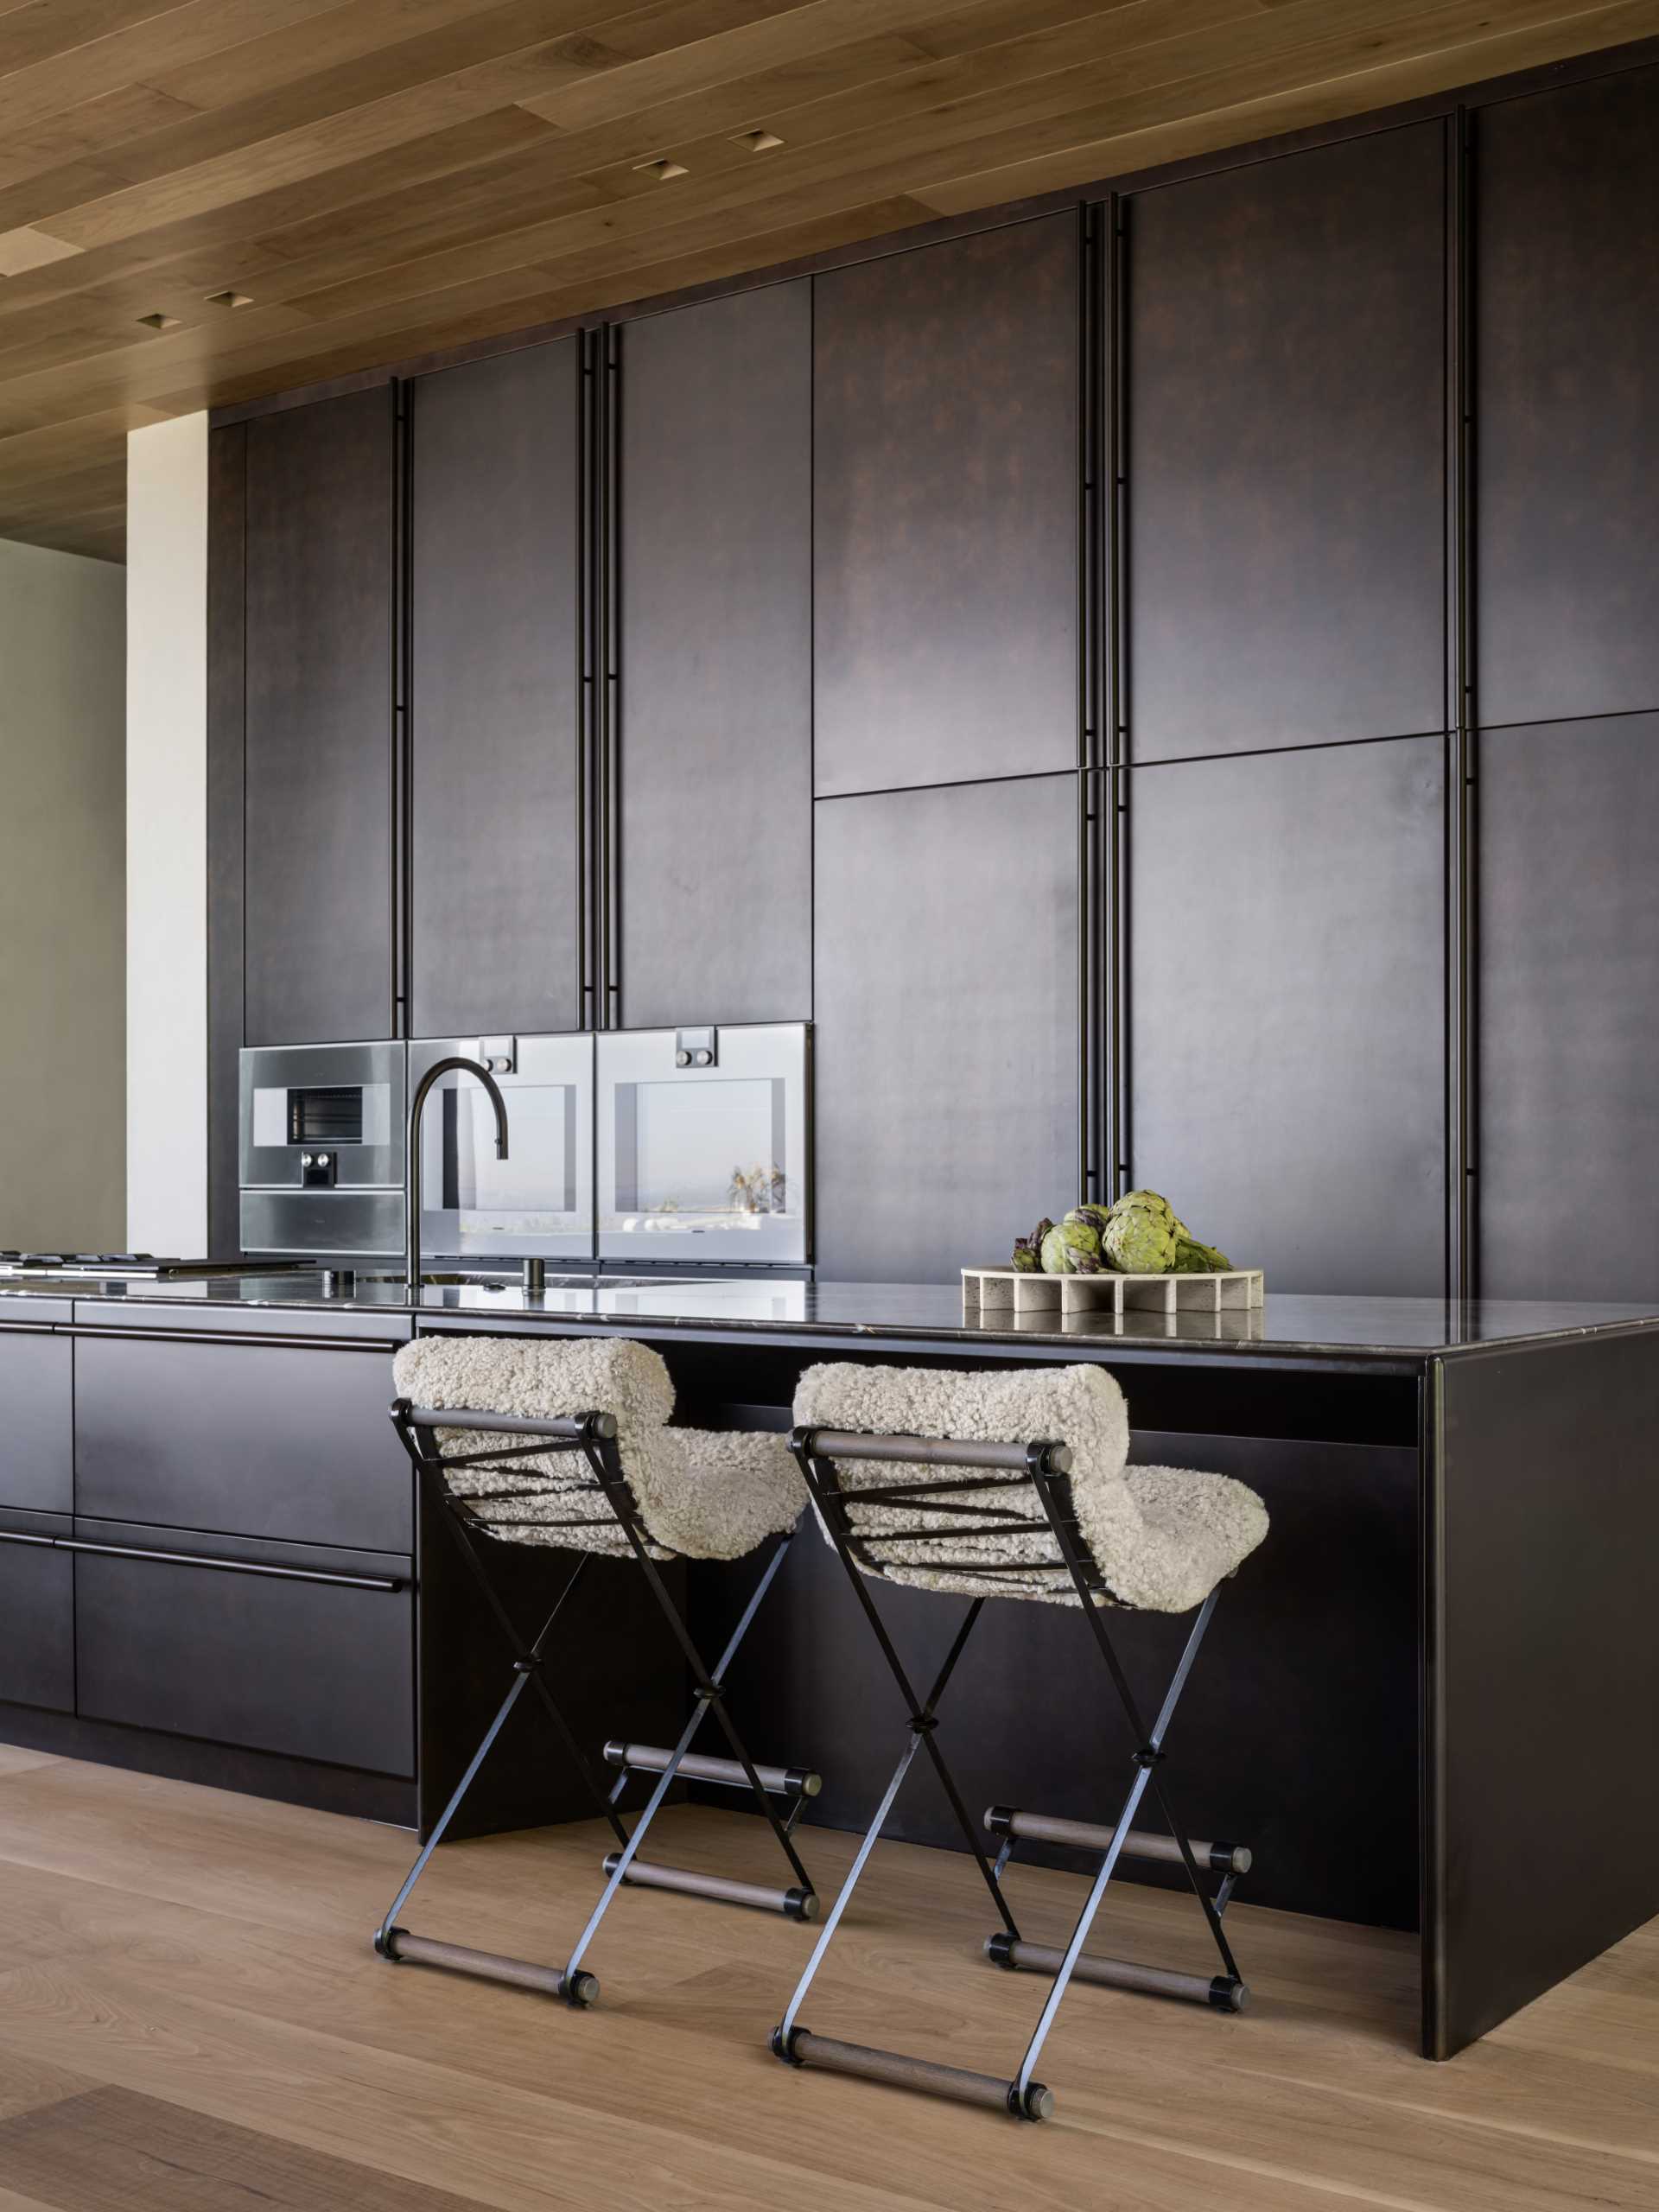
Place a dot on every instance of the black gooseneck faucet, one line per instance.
(456, 1062)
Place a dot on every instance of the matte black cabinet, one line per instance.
(714, 742)
(946, 1058)
(37, 1613)
(312, 1669)
(1285, 409)
(1286, 1009)
(1569, 967)
(947, 474)
(319, 784)
(243, 1437)
(37, 1419)
(1567, 331)
(494, 706)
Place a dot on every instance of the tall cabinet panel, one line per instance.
(946, 1045)
(1285, 412)
(495, 695)
(947, 468)
(1566, 329)
(1287, 988)
(714, 746)
(1569, 1060)
(318, 951)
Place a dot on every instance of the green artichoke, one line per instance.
(1087, 1216)
(1140, 1236)
(1192, 1258)
(1028, 1250)
(1073, 1248)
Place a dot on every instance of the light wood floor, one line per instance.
(191, 2020)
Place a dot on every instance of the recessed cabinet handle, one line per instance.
(388, 1583)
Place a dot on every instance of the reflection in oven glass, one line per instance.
(713, 1147)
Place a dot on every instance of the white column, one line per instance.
(167, 837)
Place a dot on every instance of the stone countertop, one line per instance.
(1332, 1327)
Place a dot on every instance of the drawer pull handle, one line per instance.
(389, 1583)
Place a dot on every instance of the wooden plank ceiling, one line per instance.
(208, 202)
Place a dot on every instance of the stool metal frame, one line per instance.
(593, 1435)
(1044, 1468)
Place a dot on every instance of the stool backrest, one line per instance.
(942, 1525)
(541, 1496)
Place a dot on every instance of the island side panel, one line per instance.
(1541, 1683)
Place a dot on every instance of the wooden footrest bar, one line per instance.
(1222, 1992)
(794, 1904)
(400, 1945)
(696, 1766)
(1140, 1843)
(804, 2049)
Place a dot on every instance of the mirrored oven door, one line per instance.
(703, 1145)
(538, 1202)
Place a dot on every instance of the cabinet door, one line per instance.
(36, 1422)
(946, 470)
(946, 1048)
(37, 1608)
(250, 1438)
(1285, 450)
(716, 734)
(315, 1669)
(1285, 1010)
(1569, 968)
(318, 795)
(1567, 324)
(495, 695)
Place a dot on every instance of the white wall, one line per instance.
(167, 837)
(62, 1093)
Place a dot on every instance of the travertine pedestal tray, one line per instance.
(983, 1288)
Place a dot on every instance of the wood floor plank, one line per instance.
(113, 2151)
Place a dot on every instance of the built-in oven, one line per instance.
(703, 1146)
(321, 1148)
(538, 1202)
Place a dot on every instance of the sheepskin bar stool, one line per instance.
(526, 1441)
(1017, 1485)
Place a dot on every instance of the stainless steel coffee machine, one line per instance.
(322, 1149)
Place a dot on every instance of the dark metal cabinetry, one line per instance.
(947, 473)
(319, 762)
(946, 1062)
(312, 1657)
(37, 1612)
(715, 736)
(494, 704)
(1566, 318)
(1286, 437)
(1285, 987)
(1569, 965)
(241, 1434)
(36, 1411)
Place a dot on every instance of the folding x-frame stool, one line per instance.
(1016, 1485)
(594, 1469)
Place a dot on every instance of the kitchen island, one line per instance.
(1429, 1701)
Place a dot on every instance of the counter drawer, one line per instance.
(313, 1663)
(37, 1613)
(245, 1436)
(36, 1434)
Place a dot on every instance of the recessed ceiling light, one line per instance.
(758, 142)
(662, 170)
(230, 299)
(160, 321)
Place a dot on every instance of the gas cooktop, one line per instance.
(128, 1267)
